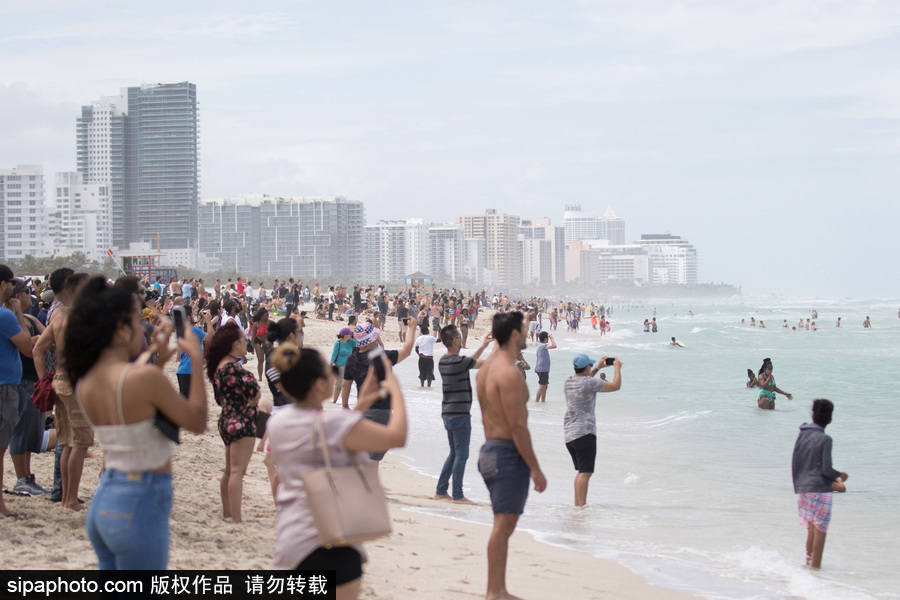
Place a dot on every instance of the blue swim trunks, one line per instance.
(506, 476)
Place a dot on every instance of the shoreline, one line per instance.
(453, 552)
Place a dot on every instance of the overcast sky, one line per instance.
(765, 132)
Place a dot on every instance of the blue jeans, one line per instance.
(128, 521)
(29, 432)
(459, 432)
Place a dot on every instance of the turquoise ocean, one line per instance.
(692, 487)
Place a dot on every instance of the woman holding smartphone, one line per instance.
(128, 519)
(308, 379)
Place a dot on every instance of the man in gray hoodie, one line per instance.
(815, 479)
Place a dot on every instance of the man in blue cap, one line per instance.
(580, 421)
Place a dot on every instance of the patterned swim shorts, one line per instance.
(815, 508)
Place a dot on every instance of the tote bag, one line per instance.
(347, 503)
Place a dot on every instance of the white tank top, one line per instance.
(130, 447)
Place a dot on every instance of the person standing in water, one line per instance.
(767, 387)
(815, 479)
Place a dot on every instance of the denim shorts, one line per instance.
(506, 476)
(9, 412)
(128, 520)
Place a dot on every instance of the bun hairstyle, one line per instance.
(299, 368)
(821, 411)
(766, 363)
(281, 330)
(96, 313)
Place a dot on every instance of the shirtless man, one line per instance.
(507, 460)
(72, 429)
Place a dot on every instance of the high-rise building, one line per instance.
(80, 215)
(586, 226)
(673, 260)
(612, 227)
(475, 269)
(537, 261)
(446, 252)
(580, 225)
(100, 156)
(310, 237)
(541, 229)
(501, 235)
(396, 248)
(144, 145)
(23, 218)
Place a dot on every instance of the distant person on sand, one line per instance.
(674, 343)
(507, 460)
(456, 410)
(580, 421)
(767, 387)
(815, 479)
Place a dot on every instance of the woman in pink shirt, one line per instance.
(308, 379)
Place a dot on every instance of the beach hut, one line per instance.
(420, 280)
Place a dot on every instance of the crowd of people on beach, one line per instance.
(89, 351)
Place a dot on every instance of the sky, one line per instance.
(765, 132)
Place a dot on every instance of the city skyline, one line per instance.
(762, 133)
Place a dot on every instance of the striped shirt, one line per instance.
(456, 384)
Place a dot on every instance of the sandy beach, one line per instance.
(440, 557)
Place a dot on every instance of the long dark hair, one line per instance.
(220, 345)
(96, 313)
(299, 368)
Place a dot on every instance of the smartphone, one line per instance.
(375, 360)
(610, 361)
(179, 317)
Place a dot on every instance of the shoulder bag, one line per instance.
(347, 503)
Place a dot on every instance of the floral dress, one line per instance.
(233, 388)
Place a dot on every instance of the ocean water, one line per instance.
(692, 487)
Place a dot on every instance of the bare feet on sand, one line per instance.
(441, 497)
(462, 501)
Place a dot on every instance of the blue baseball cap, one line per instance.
(581, 361)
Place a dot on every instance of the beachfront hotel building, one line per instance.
(143, 145)
(500, 232)
(314, 237)
(446, 252)
(585, 226)
(656, 259)
(396, 248)
(673, 260)
(537, 261)
(541, 229)
(79, 216)
(23, 218)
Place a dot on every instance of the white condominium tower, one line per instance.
(23, 219)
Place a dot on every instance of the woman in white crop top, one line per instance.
(308, 379)
(128, 518)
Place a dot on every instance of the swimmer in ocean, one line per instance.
(674, 343)
(752, 382)
(767, 387)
